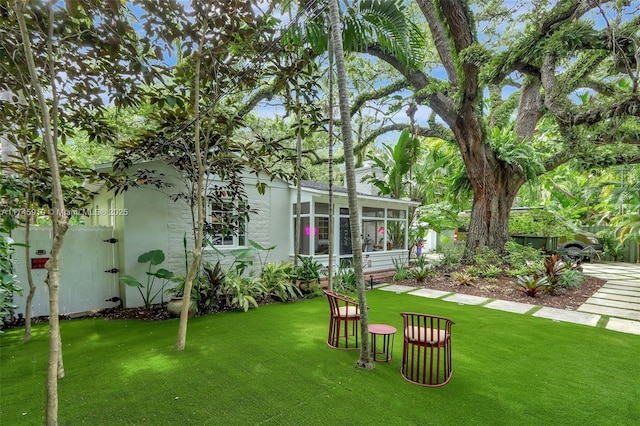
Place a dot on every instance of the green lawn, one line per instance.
(272, 366)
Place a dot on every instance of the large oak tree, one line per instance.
(492, 96)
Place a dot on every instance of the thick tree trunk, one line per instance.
(495, 186)
(365, 360)
(489, 225)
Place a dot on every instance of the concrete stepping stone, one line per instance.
(397, 288)
(614, 303)
(611, 290)
(609, 311)
(623, 325)
(466, 299)
(613, 296)
(514, 307)
(626, 284)
(567, 316)
(430, 293)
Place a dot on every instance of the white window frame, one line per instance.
(235, 240)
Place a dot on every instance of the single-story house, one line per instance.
(146, 218)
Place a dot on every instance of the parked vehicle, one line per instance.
(543, 229)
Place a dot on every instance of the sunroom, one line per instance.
(384, 226)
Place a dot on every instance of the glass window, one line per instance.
(395, 234)
(396, 214)
(322, 208)
(305, 235)
(227, 224)
(373, 231)
(372, 212)
(321, 235)
(304, 208)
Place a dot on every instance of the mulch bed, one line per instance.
(502, 288)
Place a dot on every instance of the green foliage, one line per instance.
(8, 281)
(541, 222)
(531, 285)
(345, 281)
(308, 270)
(153, 258)
(241, 292)
(395, 163)
(554, 268)
(400, 269)
(206, 290)
(611, 245)
(572, 279)
(463, 278)
(490, 271)
(422, 270)
(451, 257)
(277, 281)
(484, 256)
(519, 256)
(512, 150)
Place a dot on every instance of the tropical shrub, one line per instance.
(206, 290)
(519, 256)
(401, 271)
(490, 271)
(277, 281)
(554, 268)
(241, 292)
(153, 258)
(531, 285)
(572, 279)
(463, 278)
(484, 256)
(450, 257)
(422, 270)
(345, 281)
(8, 281)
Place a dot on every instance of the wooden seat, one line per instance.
(426, 352)
(344, 321)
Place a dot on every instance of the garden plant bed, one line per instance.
(502, 288)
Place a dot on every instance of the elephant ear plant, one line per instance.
(153, 258)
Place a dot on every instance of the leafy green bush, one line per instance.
(153, 258)
(463, 278)
(277, 281)
(572, 279)
(474, 271)
(308, 270)
(401, 271)
(450, 257)
(490, 271)
(241, 292)
(519, 255)
(611, 244)
(539, 222)
(485, 256)
(531, 284)
(422, 270)
(345, 281)
(8, 281)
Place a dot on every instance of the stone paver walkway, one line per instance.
(618, 301)
(619, 298)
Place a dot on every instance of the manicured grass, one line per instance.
(272, 366)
